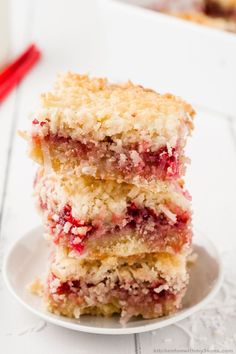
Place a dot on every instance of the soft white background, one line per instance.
(68, 33)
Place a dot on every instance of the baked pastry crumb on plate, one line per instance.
(35, 251)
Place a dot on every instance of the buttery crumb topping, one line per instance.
(82, 107)
(142, 267)
(90, 197)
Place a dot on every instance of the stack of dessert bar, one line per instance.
(110, 192)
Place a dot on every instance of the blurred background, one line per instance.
(122, 41)
(127, 39)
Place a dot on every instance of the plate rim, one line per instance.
(59, 320)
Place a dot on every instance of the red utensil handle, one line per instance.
(17, 70)
(16, 63)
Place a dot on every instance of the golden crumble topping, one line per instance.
(90, 197)
(83, 107)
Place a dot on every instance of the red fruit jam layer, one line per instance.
(135, 297)
(156, 230)
(126, 161)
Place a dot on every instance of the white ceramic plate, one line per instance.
(28, 259)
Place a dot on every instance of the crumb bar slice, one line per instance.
(122, 132)
(150, 285)
(89, 215)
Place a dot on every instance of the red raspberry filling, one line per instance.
(141, 215)
(63, 288)
(132, 297)
(35, 122)
(67, 287)
(134, 159)
(165, 161)
(66, 216)
(136, 218)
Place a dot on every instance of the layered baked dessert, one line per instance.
(90, 216)
(123, 132)
(220, 14)
(148, 285)
(112, 198)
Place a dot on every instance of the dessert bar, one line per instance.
(96, 216)
(123, 132)
(110, 191)
(150, 285)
